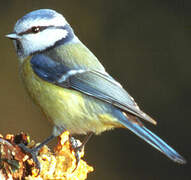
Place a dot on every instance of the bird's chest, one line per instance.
(54, 101)
(71, 109)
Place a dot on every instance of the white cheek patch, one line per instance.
(42, 40)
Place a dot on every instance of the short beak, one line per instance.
(13, 36)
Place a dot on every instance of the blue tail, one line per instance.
(151, 138)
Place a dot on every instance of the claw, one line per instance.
(33, 153)
(78, 148)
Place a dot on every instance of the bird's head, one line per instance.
(40, 30)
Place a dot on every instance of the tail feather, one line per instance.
(152, 139)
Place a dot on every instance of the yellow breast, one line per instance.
(66, 107)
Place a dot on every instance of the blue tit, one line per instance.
(69, 84)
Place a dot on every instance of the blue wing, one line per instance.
(102, 86)
(93, 83)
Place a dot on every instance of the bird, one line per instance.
(71, 86)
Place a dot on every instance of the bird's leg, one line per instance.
(57, 130)
(34, 151)
(77, 149)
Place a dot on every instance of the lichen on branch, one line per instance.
(59, 164)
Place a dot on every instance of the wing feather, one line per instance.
(104, 87)
(94, 83)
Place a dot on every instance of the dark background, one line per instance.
(143, 44)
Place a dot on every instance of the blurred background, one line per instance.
(143, 44)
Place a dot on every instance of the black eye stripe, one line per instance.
(36, 29)
(33, 30)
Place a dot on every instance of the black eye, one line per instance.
(35, 29)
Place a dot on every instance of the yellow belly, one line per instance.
(66, 107)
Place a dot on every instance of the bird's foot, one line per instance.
(77, 150)
(33, 152)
